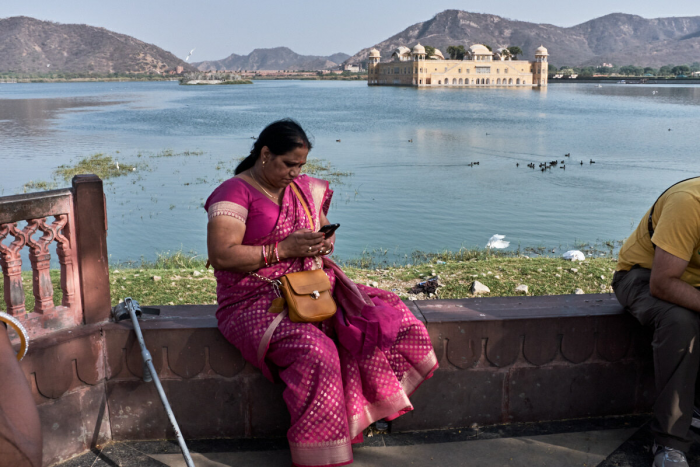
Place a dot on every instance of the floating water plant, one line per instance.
(100, 164)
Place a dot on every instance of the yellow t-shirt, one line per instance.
(676, 223)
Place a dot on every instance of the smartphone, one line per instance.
(329, 229)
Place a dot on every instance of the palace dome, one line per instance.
(438, 55)
(478, 49)
(419, 49)
(374, 53)
(541, 50)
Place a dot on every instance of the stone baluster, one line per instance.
(40, 257)
(11, 264)
(65, 258)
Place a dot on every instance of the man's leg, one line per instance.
(676, 347)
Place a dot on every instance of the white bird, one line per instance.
(574, 255)
(117, 164)
(189, 55)
(497, 242)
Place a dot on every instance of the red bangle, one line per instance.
(265, 256)
(277, 255)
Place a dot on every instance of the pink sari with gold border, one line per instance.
(341, 375)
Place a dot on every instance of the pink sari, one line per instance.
(341, 375)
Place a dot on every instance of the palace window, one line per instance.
(439, 81)
(483, 69)
(498, 70)
(505, 71)
(467, 70)
(517, 81)
(454, 81)
(459, 71)
(445, 69)
(460, 81)
(396, 70)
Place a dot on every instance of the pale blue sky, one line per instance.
(317, 27)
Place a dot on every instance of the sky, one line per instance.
(218, 28)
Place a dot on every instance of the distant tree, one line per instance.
(650, 71)
(680, 70)
(515, 51)
(695, 66)
(665, 70)
(429, 51)
(587, 71)
(566, 70)
(456, 52)
(551, 68)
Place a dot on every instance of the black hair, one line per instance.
(280, 137)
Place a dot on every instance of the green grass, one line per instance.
(184, 280)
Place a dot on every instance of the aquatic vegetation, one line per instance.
(172, 153)
(100, 164)
(322, 168)
(39, 185)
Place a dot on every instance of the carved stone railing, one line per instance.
(73, 218)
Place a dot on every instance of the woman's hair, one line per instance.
(280, 137)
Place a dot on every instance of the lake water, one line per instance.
(402, 196)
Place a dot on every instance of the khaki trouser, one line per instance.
(676, 355)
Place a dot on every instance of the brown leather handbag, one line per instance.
(308, 296)
(307, 293)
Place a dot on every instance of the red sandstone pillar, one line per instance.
(91, 234)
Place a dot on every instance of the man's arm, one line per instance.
(20, 428)
(666, 283)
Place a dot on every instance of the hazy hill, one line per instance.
(28, 45)
(619, 38)
(278, 58)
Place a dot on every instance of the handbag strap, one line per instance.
(303, 203)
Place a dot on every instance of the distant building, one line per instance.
(607, 65)
(351, 68)
(480, 67)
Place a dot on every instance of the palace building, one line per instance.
(480, 67)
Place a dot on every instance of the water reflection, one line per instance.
(666, 93)
(32, 117)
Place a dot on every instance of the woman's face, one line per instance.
(281, 170)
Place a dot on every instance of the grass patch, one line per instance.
(322, 168)
(172, 153)
(39, 185)
(181, 278)
(100, 164)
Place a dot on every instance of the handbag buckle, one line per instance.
(315, 295)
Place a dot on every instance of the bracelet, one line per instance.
(331, 251)
(277, 255)
(265, 256)
(21, 332)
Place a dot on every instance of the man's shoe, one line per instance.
(668, 457)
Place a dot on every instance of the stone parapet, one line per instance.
(514, 359)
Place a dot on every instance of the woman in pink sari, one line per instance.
(342, 374)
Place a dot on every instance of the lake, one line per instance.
(402, 196)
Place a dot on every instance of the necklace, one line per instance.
(263, 188)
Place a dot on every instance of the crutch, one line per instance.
(130, 308)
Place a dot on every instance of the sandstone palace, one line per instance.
(480, 67)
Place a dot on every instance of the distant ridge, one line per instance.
(29, 45)
(616, 38)
(278, 58)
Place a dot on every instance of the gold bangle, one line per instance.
(21, 332)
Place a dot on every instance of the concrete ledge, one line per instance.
(514, 359)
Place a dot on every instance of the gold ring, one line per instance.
(21, 332)
(311, 248)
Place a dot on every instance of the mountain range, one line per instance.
(278, 58)
(617, 38)
(29, 45)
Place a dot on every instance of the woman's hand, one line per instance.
(301, 244)
(327, 245)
